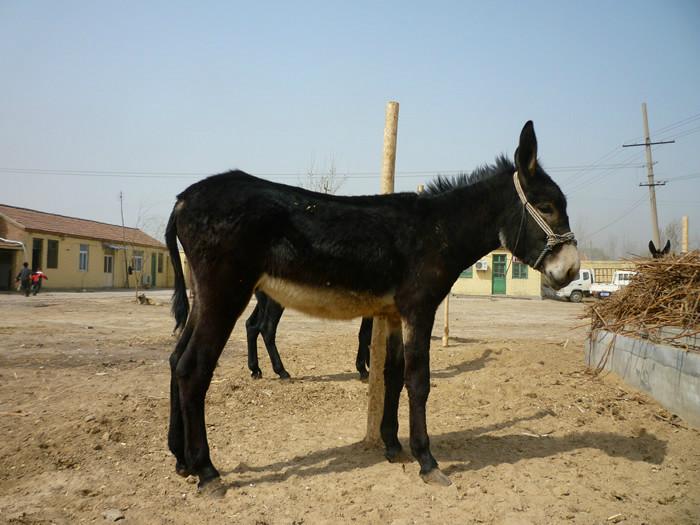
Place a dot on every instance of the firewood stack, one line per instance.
(661, 303)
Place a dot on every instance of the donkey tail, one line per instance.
(181, 305)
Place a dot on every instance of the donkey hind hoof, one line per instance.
(213, 488)
(256, 374)
(397, 455)
(182, 469)
(364, 375)
(436, 477)
(284, 375)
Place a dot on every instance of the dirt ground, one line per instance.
(523, 431)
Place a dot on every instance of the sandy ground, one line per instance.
(523, 431)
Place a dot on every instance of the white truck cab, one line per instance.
(579, 288)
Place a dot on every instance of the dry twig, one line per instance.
(664, 293)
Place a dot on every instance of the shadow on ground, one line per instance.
(467, 450)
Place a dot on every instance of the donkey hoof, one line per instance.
(396, 455)
(436, 477)
(212, 488)
(284, 375)
(182, 470)
(364, 375)
(256, 374)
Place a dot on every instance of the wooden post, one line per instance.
(377, 356)
(684, 234)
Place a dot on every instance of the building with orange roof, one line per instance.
(79, 253)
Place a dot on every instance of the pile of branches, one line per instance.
(661, 303)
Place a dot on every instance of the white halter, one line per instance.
(553, 239)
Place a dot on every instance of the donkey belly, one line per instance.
(328, 302)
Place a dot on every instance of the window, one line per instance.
(83, 260)
(468, 273)
(109, 260)
(52, 254)
(519, 270)
(138, 260)
(160, 263)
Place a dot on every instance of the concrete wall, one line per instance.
(670, 375)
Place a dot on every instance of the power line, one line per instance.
(618, 219)
(178, 174)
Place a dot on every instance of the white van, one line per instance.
(576, 290)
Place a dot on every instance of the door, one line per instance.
(109, 271)
(498, 275)
(7, 257)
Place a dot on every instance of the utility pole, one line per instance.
(650, 175)
(126, 259)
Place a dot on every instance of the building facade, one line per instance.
(78, 253)
(499, 274)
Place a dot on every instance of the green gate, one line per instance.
(498, 275)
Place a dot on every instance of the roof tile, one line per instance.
(40, 221)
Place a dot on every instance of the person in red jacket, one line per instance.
(36, 280)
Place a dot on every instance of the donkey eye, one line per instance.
(547, 209)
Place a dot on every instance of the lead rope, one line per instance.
(553, 239)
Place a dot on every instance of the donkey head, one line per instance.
(658, 254)
(537, 229)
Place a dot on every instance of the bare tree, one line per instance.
(612, 246)
(672, 232)
(325, 180)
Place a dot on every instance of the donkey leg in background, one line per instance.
(364, 338)
(252, 328)
(417, 378)
(269, 321)
(393, 384)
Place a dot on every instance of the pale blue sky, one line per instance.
(275, 88)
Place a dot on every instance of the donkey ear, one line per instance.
(652, 248)
(526, 154)
(667, 248)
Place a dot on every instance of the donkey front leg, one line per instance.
(417, 377)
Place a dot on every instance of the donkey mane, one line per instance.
(442, 184)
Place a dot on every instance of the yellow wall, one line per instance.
(67, 275)
(480, 282)
(604, 270)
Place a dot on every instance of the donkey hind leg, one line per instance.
(176, 430)
(268, 326)
(215, 319)
(417, 379)
(393, 384)
(252, 328)
(364, 339)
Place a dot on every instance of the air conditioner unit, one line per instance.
(481, 266)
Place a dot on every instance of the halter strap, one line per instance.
(553, 239)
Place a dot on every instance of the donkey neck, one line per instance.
(472, 216)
